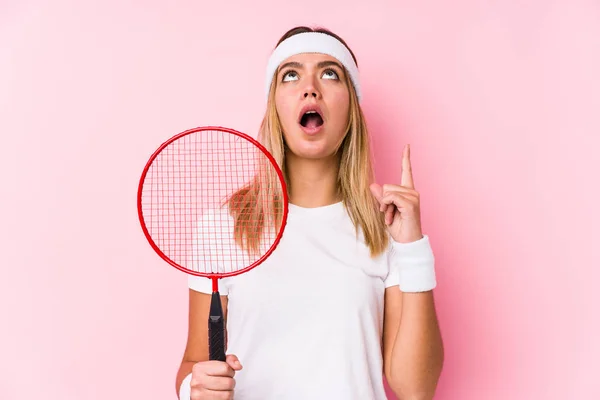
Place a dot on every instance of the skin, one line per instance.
(412, 345)
(312, 160)
(413, 350)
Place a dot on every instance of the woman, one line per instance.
(346, 298)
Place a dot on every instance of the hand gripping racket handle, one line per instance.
(216, 329)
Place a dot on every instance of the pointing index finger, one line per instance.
(407, 178)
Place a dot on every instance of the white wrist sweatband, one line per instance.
(186, 388)
(312, 42)
(416, 265)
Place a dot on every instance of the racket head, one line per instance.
(156, 221)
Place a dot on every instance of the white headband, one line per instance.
(312, 42)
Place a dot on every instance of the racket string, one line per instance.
(187, 207)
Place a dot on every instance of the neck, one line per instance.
(313, 183)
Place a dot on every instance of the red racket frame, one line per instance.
(214, 276)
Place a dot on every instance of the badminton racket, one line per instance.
(213, 203)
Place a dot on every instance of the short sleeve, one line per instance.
(204, 285)
(214, 234)
(393, 277)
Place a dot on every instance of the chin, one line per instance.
(311, 146)
(312, 151)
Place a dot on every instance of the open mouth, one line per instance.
(311, 119)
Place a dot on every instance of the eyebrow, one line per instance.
(322, 64)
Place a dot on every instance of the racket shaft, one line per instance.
(216, 329)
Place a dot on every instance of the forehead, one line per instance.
(309, 60)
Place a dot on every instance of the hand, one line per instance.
(400, 203)
(214, 379)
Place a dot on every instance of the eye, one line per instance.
(330, 74)
(290, 76)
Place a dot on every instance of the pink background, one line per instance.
(499, 100)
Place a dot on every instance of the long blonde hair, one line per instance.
(260, 204)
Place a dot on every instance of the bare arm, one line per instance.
(412, 344)
(196, 348)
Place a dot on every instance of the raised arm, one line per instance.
(412, 344)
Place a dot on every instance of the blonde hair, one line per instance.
(256, 206)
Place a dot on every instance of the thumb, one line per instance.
(233, 362)
(377, 191)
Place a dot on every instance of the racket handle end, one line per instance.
(216, 329)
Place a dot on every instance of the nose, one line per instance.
(311, 89)
(310, 93)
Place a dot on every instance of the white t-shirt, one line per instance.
(307, 323)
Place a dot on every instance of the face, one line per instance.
(313, 103)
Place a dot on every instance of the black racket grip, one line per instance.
(216, 329)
